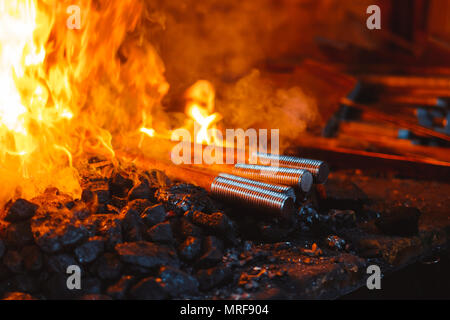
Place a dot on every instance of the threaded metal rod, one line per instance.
(300, 178)
(266, 200)
(319, 169)
(289, 191)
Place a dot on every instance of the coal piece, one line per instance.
(20, 210)
(177, 282)
(59, 263)
(19, 234)
(154, 215)
(120, 288)
(132, 225)
(107, 226)
(213, 253)
(148, 289)
(56, 229)
(13, 261)
(32, 258)
(146, 254)
(139, 205)
(187, 229)
(140, 191)
(216, 222)
(190, 249)
(120, 185)
(90, 250)
(183, 197)
(213, 277)
(161, 233)
(109, 267)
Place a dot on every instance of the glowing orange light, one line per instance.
(200, 108)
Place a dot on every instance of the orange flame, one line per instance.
(67, 93)
(200, 107)
(32, 123)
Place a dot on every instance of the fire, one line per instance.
(66, 94)
(31, 123)
(200, 107)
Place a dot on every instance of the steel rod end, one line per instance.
(306, 181)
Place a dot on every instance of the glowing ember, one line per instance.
(150, 132)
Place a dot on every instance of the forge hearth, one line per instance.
(185, 149)
(137, 235)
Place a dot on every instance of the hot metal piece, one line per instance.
(319, 169)
(300, 178)
(269, 201)
(289, 191)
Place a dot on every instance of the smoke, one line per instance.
(256, 102)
